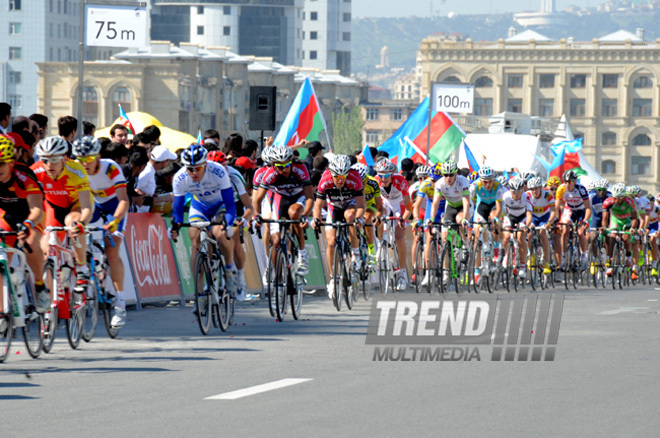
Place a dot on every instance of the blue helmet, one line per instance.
(194, 155)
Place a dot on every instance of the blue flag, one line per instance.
(472, 162)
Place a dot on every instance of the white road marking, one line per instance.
(623, 310)
(233, 395)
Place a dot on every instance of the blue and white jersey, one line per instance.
(208, 191)
(597, 207)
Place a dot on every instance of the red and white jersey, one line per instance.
(339, 197)
(259, 175)
(541, 206)
(393, 195)
(292, 185)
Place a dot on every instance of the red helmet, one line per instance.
(217, 156)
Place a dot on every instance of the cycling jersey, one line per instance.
(290, 186)
(412, 190)
(453, 193)
(371, 192)
(654, 214)
(14, 208)
(516, 208)
(597, 208)
(63, 191)
(541, 206)
(643, 205)
(394, 193)
(427, 190)
(573, 199)
(106, 181)
(258, 176)
(624, 211)
(479, 194)
(239, 186)
(339, 197)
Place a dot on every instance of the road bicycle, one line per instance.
(344, 272)
(365, 269)
(483, 247)
(387, 256)
(511, 272)
(456, 256)
(97, 295)
(597, 258)
(619, 264)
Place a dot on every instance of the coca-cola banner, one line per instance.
(152, 261)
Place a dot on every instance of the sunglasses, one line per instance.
(340, 177)
(384, 175)
(87, 159)
(193, 169)
(283, 165)
(52, 160)
(448, 175)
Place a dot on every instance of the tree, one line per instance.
(347, 130)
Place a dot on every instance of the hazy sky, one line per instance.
(422, 8)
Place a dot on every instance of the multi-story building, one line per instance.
(326, 41)
(383, 118)
(609, 91)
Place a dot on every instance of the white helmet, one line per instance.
(385, 166)
(281, 154)
(340, 165)
(361, 169)
(619, 190)
(51, 146)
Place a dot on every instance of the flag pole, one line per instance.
(428, 127)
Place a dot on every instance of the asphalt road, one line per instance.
(156, 377)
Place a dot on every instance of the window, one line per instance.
(15, 53)
(609, 107)
(641, 140)
(452, 79)
(373, 137)
(226, 10)
(372, 113)
(200, 30)
(59, 6)
(546, 107)
(640, 165)
(643, 82)
(609, 139)
(396, 114)
(313, 16)
(14, 5)
(15, 101)
(313, 35)
(90, 105)
(610, 81)
(14, 28)
(313, 54)
(226, 30)
(515, 81)
(346, 36)
(578, 81)
(483, 82)
(608, 167)
(14, 77)
(483, 107)
(642, 108)
(66, 6)
(200, 10)
(514, 106)
(577, 107)
(547, 81)
(121, 96)
(51, 6)
(347, 17)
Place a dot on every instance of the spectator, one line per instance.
(250, 149)
(137, 161)
(152, 134)
(67, 127)
(146, 184)
(89, 128)
(42, 121)
(20, 124)
(320, 163)
(211, 140)
(164, 178)
(381, 154)
(5, 117)
(407, 165)
(233, 146)
(142, 140)
(105, 141)
(22, 150)
(315, 149)
(116, 152)
(119, 133)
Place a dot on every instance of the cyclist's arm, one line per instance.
(528, 221)
(35, 204)
(318, 207)
(380, 211)
(122, 206)
(247, 203)
(416, 207)
(497, 211)
(86, 206)
(309, 200)
(558, 206)
(635, 218)
(606, 217)
(360, 206)
(230, 205)
(435, 205)
(257, 199)
(178, 206)
(466, 206)
(587, 210)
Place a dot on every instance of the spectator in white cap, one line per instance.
(146, 184)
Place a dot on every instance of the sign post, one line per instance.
(449, 98)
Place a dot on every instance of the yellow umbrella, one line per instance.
(170, 138)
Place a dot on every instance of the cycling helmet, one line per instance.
(619, 190)
(194, 155)
(503, 180)
(590, 185)
(281, 154)
(86, 146)
(436, 172)
(486, 173)
(569, 176)
(449, 167)
(553, 182)
(657, 197)
(6, 149)
(601, 184)
(516, 184)
(385, 166)
(51, 146)
(361, 169)
(217, 156)
(340, 165)
(636, 190)
(473, 176)
(535, 183)
(526, 176)
(422, 171)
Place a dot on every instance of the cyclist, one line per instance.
(425, 195)
(243, 213)
(289, 181)
(421, 174)
(341, 189)
(108, 186)
(396, 202)
(643, 208)
(21, 210)
(266, 203)
(374, 206)
(68, 200)
(543, 213)
(517, 210)
(620, 213)
(212, 200)
(572, 206)
(654, 215)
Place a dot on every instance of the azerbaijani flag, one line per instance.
(365, 157)
(123, 119)
(472, 162)
(446, 135)
(566, 158)
(304, 120)
(199, 137)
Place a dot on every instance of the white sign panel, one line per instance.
(453, 98)
(115, 26)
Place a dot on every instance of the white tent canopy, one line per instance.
(504, 152)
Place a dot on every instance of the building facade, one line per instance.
(383, 118)
(326, 38)
(609, 91)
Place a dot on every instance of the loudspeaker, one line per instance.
(262, 108)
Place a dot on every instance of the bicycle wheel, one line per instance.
(203, 293)
(7, 325)
(508, 270)
(338, 278)
(281, 284)
(32, 331)
(576, 268)
(540, 266)
(433, 268)
(223, 310)
(419, 267)
(270, 286)
(350, 285)
(90, 313)
(51, 316)
(568, 265)
(364, 280)
(472, 268)
(383, 268)
(105, 304)
(297, 298)
(592, 262)
(602, 260)
(74, 323)
(533, 266)
(444, 272)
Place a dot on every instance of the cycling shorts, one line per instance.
(569, 216)
(539, 221)
(483, 212)
(513, 221)
(280, 208)
(620, 224)
(102, 211)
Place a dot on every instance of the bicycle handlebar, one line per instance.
(3, 233)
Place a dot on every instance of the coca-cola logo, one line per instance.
(150, 258)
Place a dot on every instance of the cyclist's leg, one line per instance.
(294, 212)
(566, 220)
(80, 251)
(369, 215)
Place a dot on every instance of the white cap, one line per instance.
(160, 153)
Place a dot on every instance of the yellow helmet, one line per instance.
(6, 149)
(553, 182)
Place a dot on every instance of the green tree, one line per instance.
(347, 130)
